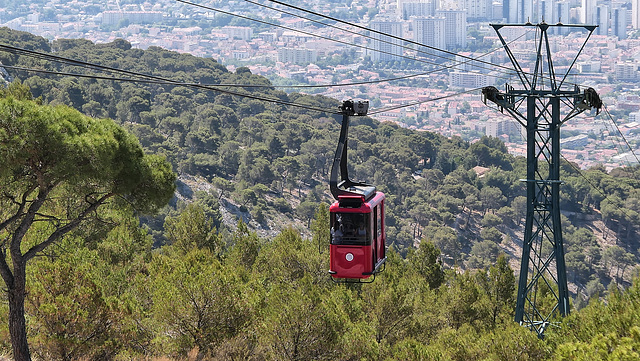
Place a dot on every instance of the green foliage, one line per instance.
(235, 140)
(288, 258)
(300, 325)
(232, 295)
(491, 220)
(196, 303)
(192, 229)
(491, 234)
(426, 261)
(72, 316)
(483, 254)
(58, 168)
(489, 151)
(286, 308)
(320, 226)
(81, 301)
(244, 247)
(602, 331)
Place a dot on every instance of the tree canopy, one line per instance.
(58, 168)
(199, 279)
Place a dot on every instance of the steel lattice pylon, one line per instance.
(542, 287)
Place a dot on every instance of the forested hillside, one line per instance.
(191, 281)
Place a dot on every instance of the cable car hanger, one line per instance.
(346, 186)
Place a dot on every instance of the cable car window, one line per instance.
(375, 222)
(379, 221)
(350, 229)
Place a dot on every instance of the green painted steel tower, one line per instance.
(538, 106)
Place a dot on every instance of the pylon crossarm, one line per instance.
(492, 94)
(572, 114)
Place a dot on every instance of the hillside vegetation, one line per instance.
(189, 282)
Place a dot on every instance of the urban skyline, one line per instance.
(287, 56)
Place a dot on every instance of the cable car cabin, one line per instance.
(357, 248)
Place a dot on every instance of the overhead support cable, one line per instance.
(147, 78)
(150, 79)
(621, 135)
(395, 107)
(389, 35)
(300, 31)
(442, 66)
(469, 58)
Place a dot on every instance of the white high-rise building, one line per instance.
(635, 14)
(386, 48)
(455, 27)
(619, 22)
(496, 128)
(601, 18)
(134, 17)
(238, 32)
(417, 8)
(563, 12)
(562, 15)
(546, 11)
(497, 10)
(527, 10)
(429, 31)
(510, 11)
(470, 79)
(518, 11)
(477, 9)
(587, 11)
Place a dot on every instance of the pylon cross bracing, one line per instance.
(538, 106)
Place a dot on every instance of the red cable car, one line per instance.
(357, 246)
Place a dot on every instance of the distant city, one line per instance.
(293, 47)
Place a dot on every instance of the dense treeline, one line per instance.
(245, 298)
(271, 160)
(189, 283)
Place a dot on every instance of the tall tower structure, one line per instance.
(429, 31)
(546, 11)
(562, 15)
(477, 9)
(518, 11)
(386, 48)
(537, 106)
(587, 10)
(601, 18)
(455, 27)
(419, 8)
(635, 14)
(619, 22)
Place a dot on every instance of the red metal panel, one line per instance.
(351, 261)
